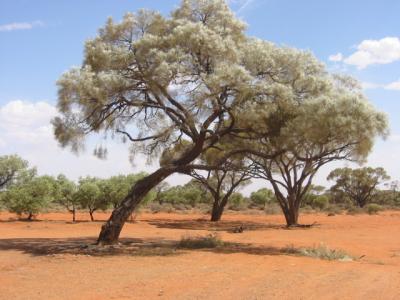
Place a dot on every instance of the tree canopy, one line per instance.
(13, 169)
(336, 123)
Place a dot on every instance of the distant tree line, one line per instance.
(25, 193)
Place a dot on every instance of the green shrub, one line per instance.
(200, 242)
(237, 202)
(320, 202)
(373, 208)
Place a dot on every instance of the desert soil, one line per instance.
(50, 259)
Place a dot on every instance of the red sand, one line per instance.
(32, 266)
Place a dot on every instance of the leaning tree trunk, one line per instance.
(111, 230)
(91, 212)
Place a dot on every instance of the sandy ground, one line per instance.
(47, 259)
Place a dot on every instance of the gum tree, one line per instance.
(337, 123)
(177, 86)
(65, 194)
(222, 182)
(91, 195)
(160, 83)
(360, 185)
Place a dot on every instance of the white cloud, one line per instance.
(21, 26)
(370, 52)
(393, 86)
(22, 121)
(370, 85)
(336, 57)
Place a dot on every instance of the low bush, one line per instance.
(156, 207)
(182, 206)
(307, 210)
(322, 252)
(332, 210)
(272, 209)
(354, 210)
(320, 202)
(200, 242)
(373, 208)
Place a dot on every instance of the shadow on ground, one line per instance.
(202, 224)
(128, 247)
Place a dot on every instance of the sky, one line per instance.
(41, 39)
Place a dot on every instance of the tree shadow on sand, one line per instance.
(202, 224)
(127, 247)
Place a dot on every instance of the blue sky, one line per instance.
(40, 39)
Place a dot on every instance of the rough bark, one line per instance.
(111, 230)
(290, 206)
(218, 209)
(291, 216)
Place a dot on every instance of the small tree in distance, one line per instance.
(221, 183)
(360, 185)
(65, 195)
(90, 196)
(262, 197)
(31, 197)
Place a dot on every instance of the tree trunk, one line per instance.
(111, 230)
(291, 216)
(30, 216)
(132, 218)
(361, 202)
(91, 215)
(73, 215)
(218, 209)
(290, 209)
(216, 213)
